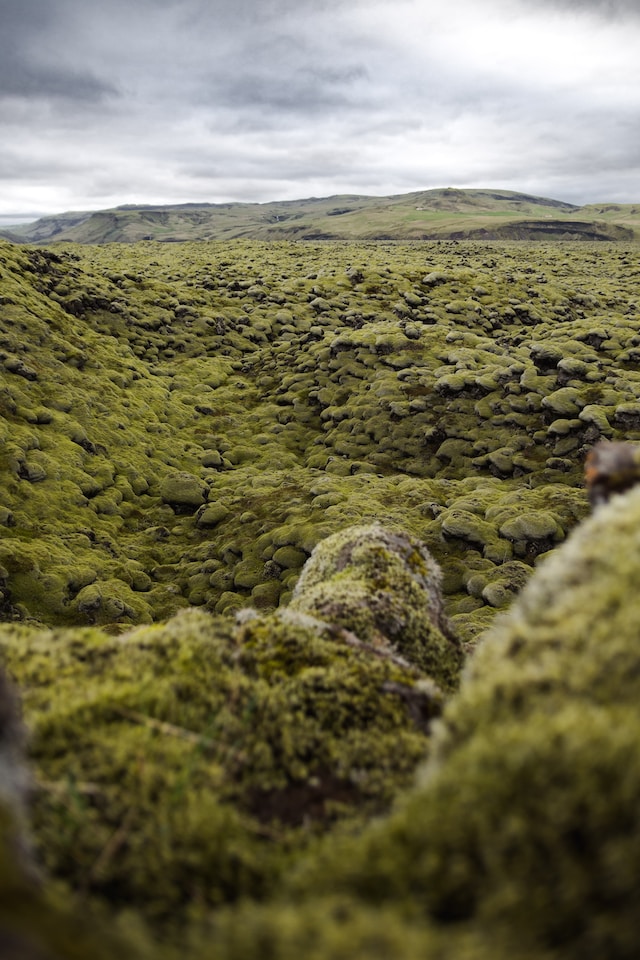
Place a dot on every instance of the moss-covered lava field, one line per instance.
(216, 737)
(182, 424)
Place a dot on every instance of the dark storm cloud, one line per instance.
(267, 59)
(24, 67)
(24, 80)
(297, 90)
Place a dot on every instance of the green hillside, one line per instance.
(267, 511)
(429, 214)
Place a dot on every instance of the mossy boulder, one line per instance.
(384, 586)
(216, 751)
(464, 525)
(532, 525)
(291, 558)
(565, 402)
(211, 514)
(111, 601)
(32, 925)
(184, 491)
(525, 817)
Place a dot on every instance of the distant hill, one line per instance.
(445, 213)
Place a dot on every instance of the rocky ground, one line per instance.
(216, 741)
(182, 424)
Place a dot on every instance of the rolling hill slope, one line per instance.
(426, 215)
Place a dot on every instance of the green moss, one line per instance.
(525, 817)
(465, 526)
(385, 587)
(265, 596)
(344, 929)
(596, 415)
(33, 924)
(289, 424)
(201, 743)
(500, 592)
(564, 402)
(532, 526)
(248, 574)
(183, 490)
(289, 557)
(111, 601)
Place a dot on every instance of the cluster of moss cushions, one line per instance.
(191, 763)
(183, 423)
(224, 749)
(216, 776)
(525, 819)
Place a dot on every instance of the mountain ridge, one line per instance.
(436, 214)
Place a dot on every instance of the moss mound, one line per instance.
(33, 926)
(526, 817)
(185, 765)
(343, 928)
(385, 587)
(520, 839)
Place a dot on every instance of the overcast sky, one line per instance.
(104, 102)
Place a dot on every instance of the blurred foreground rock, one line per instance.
(525, 821)
(190, 764)
(221, 776)
(32, 926)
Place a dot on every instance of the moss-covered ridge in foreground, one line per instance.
(214, 751)
(521, 838)
(526, 815)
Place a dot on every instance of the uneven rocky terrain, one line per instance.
(216, 739)
(182, 425)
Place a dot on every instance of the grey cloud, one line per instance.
(14, 165)
(22, 80)
(258, 55)
(25, 26)
(610, 9)
(239, 13)
(297, 90)
(134, 100)
(21, 18)
(292, 70)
